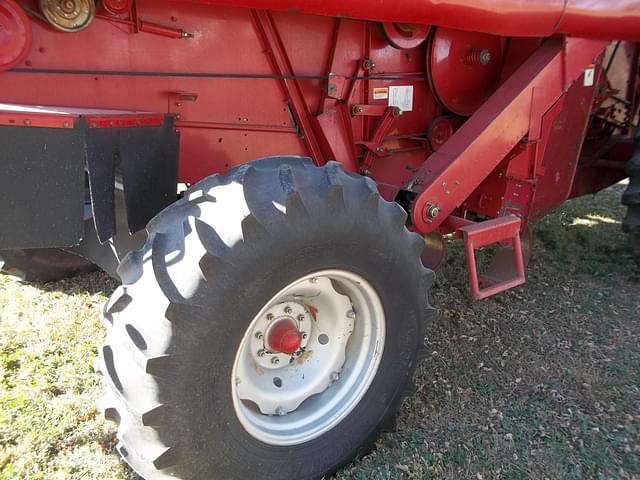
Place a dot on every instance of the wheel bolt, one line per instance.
(259, 335)
(314, 280)
(280, 411)
(304, 336)
(269, 316)
(287, 310)
(275, 360)
(301, 318)
(351, 314)
(335, 376)
(261, 353)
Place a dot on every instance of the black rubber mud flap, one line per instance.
(42, 187)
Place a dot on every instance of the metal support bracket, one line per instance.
(374, 146)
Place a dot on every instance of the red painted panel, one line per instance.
(563, 130)
(506, 17)
(206, 150)
(608, 19)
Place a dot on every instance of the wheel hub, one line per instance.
(308, 357)
(280, 335)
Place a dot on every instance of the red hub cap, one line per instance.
(15, 35)
(284, 337)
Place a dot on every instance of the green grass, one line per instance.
(540, 382)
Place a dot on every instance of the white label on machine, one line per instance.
(589, 76)
(401, 97)
(380, 93)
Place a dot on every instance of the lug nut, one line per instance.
(269, 316)
(280, 411)
(351, 314)
(259, 335)
(287, 310)
(261, 353)
(314, 280)
(335, 376)
(275, 360)
(301, 318)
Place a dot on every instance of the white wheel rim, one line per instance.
(301, 396)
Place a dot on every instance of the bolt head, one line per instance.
(485, 57)
(314, 280)
(269, 316)
(301, 318)
(275, 360)
(287, 310)
(280, 411)
(380, 149)
(261, 353)
(259, 335)
(335, 376)
(433, 211)
(351, 314)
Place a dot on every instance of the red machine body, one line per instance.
(468, 110)
(270, 319)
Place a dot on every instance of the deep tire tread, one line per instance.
(302, 191)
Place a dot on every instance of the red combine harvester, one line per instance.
(271, 315)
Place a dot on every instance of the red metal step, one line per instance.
(507, 268)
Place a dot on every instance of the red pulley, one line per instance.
(464, 68)
(441, 129)
(117, 7)
(284, 337)
(15, 35)
(405, 35)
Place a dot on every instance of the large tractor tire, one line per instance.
(268, 329)
(43, 264)
(631, 198)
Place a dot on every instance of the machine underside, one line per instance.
(458, 127)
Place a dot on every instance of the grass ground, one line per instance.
(540, 382)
